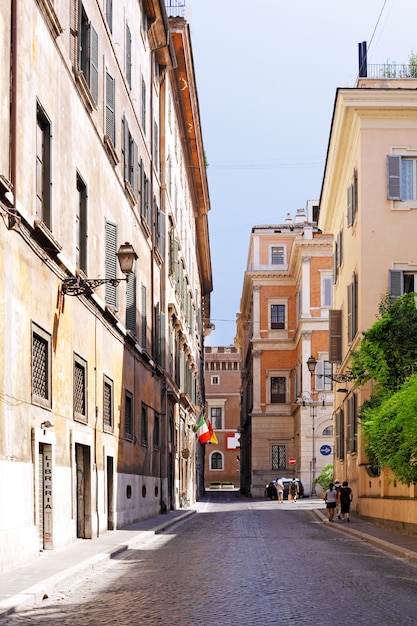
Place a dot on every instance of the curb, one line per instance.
(376, 541)
(36, 593)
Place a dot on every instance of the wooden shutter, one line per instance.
(143, 316)
(128, 56)
(135, 169)
(93, 43)
(394, 177)
(110, 120)
(335, 336)
(395, 283)
(350, 205)
(111, 263)
(131, 303)
(126, 149)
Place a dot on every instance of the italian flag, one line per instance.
(202, 430)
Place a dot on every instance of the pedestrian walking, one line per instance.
(280, 490)
(331, 497)
(345, 498)
(337, 486)
(294, 490)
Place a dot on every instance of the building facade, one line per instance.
(99, 380)
(286, 415)
(367, 201)
(222, 386)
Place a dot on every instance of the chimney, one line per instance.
(363, 62)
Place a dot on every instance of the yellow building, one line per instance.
(286, 414)
(99, 378)
(368, 202)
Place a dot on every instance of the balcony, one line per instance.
(175, 8)
(392, 70)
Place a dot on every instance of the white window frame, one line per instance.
(215, 380)
(326, 278)
(284, 255)
(283, 302)
(277, 374)
(217, 469)
(404, 154)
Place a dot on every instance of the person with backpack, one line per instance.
(345, 499)
(294, 490)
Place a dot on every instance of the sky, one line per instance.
(267, 73)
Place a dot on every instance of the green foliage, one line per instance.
(388, 355)
(325, 477)
(412, 62)
(391, 431)
(388, 350)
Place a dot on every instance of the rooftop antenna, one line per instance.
(363, 62)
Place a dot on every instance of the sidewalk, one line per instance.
(27, 585)
(398, 543)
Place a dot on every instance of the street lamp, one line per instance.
(77, 286)
(311, 364)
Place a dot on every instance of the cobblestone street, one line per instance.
(240, 562)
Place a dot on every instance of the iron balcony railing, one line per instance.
(175, 8)
(392, 70)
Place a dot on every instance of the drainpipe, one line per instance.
(13, 97)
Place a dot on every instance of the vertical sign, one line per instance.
(47, 501)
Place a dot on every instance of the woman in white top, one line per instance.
(331, 498)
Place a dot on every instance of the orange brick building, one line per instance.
(286, 415)
(222, 383)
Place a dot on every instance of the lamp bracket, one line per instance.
(78, 286)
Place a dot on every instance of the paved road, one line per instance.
(240, 562)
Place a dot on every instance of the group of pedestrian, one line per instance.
(338, 500)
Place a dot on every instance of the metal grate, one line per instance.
(39, 367)
(129, 415)
(107, 402)
(279, 457)
(79, 389)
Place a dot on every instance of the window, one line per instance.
(43, 167)
(81, 225)
(277, 255)
(143, 109)
(340, 435)
(278, 389)
(110, 110)
(144, 425)
(215, 380)
(156, 431)
(352, 425)
(80, 389)
(130, 321)
(216, 461)
(323, 376)
(277, 316)
(328, 431)
(216, 417)
(108, 416)
(160, 231)
(41, 367)
(326, 292)
(111, 263)
(109, 14)
(278, 457)
(352, 302)
(88, 52)
(401, 282)
(337, 255)
(143, 317)
(128, 56)
(128, 415)
(335, 336)
(402, 178)
(145, 197)
(131, 163)
(352, 200)
(156, 146)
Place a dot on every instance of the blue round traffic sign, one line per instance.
(325, 450)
